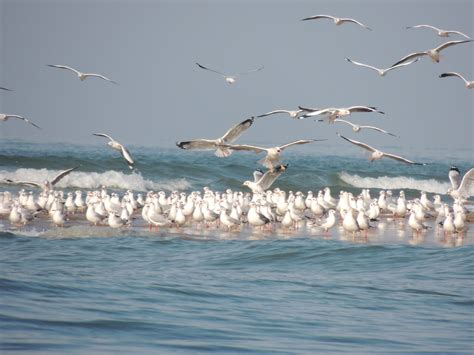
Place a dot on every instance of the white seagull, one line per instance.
(292, 113)
(334, 112)
(378, 154)
(81, 76)
(381, 72)
(46, 185)
(118, 146)
(465, 187)
(263, 181)
(229, 137)
(229, 78)
(441, 33)
(273, 154)
(434, 53)
(357, 128)
(4, 117)
(469, 84)
(337, 20)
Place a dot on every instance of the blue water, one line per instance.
(132, 291)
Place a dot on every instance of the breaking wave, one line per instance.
(396, 182)
(91, 180)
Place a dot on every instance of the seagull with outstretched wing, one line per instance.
(80, 75)
(357, 128)
(229, 78)
(469, 84)
(4, 117)
(441, 33)
(382, 72)
(337, 20)
(118, 146)
(265, 180)
(47, 185)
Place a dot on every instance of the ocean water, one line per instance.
(89, 289)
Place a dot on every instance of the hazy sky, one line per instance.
(150, 48)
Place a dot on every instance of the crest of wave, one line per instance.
(395, 182)
(88, 180)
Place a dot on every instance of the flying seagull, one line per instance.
(381, 72)
(5, 89)
(262, 181)
(292, 113)
(273, 154)
(229, 137)
(229, 78)
(337, 20)
(46, 185)
(465, 187)
(4, 117)
(357, 128)
(469, 84)
(441, 33)
(334, 112)
(81, 76)
(118, 146)
(378, 154)
(432, 53)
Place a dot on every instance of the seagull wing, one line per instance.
(467, 183)
(451, 43)
(317, 17)
(408, 57)
(403, 160)
(402, 64)
(444, 75)
(197, 144)
(126, 155)
(214, 71)
(426, 26)
(360, 144)
(257, 174)
(364, 109)
(101, 77)
(459, 33)
(27, 183)
(64, 67)
(270, 176)
(454, 177)
(61, 175)
(309, 109)
(24, 119)
(378, 129)
(301, 141)
(245, 147)
(273, 112)
(362, 64)
(317, 113)
(341, 120)
(2, 88)
(103, 135)
(355, 21)
(251, 71)
(233, 133)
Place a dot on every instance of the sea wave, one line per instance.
(91, 180)
(395, 182)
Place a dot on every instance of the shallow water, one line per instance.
(95, 289)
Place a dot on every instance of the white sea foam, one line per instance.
(396, 182)
(91, 180)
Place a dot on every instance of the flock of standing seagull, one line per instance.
(263, 207)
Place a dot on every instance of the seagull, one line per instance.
(455, 177)
(230, 78)
(292, 113)
(377, 154)
(334, 113)
(118, 146)
(262, 181)
(469, 84)
(229, 137)
(273, 154)
(467, 183)
(381, 72)
(46, 185)
(441, 33)
(337, 20)
(5, 89)
(81, 76)
(4, 117)
(432, 53)
(357, 128)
